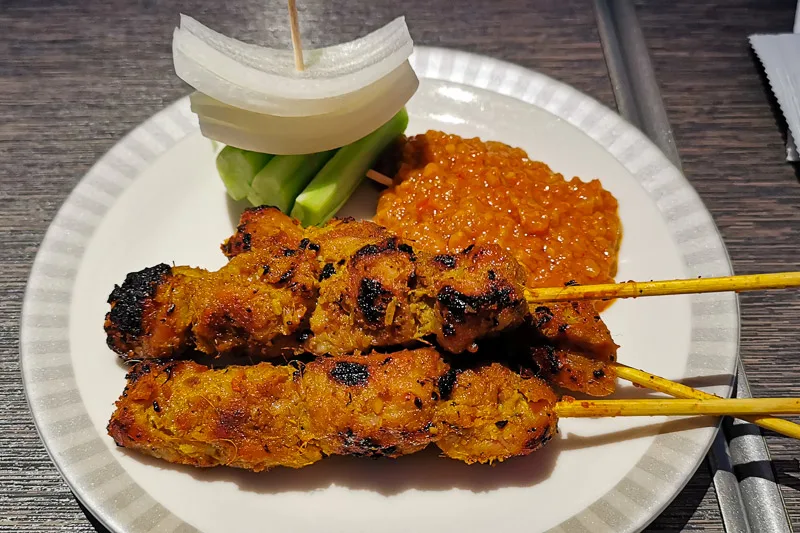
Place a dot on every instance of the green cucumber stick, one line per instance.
(285, 176)
(237, 168)
(340, 177)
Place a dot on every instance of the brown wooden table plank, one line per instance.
(74, 77)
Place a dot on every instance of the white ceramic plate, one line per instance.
(155, 197)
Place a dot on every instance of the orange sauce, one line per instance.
(451, 192)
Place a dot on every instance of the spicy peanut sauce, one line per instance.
(451, 192)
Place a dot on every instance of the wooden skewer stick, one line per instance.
(572, 408)
(636, 289)
(383, 179)
(679, 390)
(297, 44)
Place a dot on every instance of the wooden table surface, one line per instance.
(76, 76)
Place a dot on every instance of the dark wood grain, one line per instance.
(76, 76)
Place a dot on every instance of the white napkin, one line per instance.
(780, 55)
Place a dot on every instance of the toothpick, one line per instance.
(296, 42)
(383, 179)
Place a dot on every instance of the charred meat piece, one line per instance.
(573, 370)
(375, 405)
(492, 414)
(387, 294)
(479, 292)
(264, 228)
(576, 325)
(267, 228)
(367, 302)
(254, 305)
(341, 238)
(249, 417)
(262, 416)
(570, 346)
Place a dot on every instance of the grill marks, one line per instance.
(515, 413)
(370, 404)
(327, 271)
(447, 383)
(571, 347)
(263, 228)
(389, 283)
(351, 374)
(447, 261)
(367, 301)
(477, 290)
(132, 307)
(381, 272)
(373, 300)
(364, 446)
(458, 305)
(252, 306)
(542, 315)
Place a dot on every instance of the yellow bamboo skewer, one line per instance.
(297, 44)
(572, 408)
(679, 390)
(636, 289)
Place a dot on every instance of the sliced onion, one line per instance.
(264, 80)
(283, 135)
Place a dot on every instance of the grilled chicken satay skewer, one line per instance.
(382, 405)
(263, 416)
(330, 297)
(337, 294)
(259, 228)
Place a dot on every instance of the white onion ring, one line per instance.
(302, 135)
(264, 80)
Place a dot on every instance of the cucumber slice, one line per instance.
(284, 177)
(237, 168)
(340, 177)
